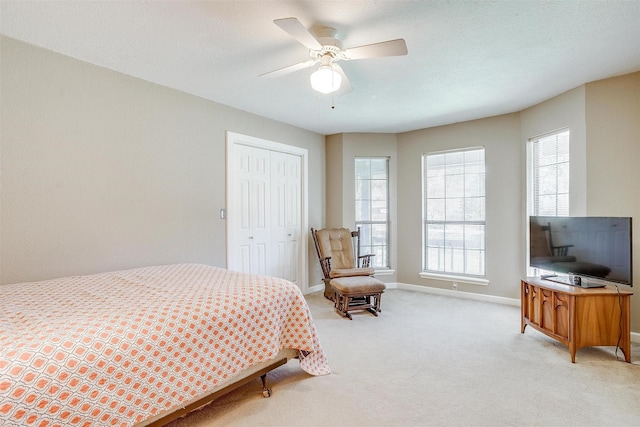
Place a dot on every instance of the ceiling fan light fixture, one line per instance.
(325, 79)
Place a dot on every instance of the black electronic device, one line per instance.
(589, 251)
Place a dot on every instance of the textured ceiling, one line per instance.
(467, 59)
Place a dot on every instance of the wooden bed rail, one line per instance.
(180, 412)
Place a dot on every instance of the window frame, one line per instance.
(533, 205)
(532, 173)
(448, 273)
(386, 259)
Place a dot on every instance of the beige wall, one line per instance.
(613, 159)
(102, 171)
(604, 119)
(501, 138)
(335, 182)
(342, 150)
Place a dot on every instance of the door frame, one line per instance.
(232, 140)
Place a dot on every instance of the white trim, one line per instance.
(236, 138)
(314, 288)
(425, 200)
(458, 294)
(453, 278)
(635, 336)
(454, 150)
(384, 272)
(370, 222)
(546, 134)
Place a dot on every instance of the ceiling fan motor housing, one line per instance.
(331, 46)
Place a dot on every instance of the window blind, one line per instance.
(454, 213)
(551, 174)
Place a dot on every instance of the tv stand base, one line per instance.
(577, 317)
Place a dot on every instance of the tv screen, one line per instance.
(597, 247)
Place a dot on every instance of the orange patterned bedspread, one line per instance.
(117, 348)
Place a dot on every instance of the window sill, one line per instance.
(385, 272)
(453, 278)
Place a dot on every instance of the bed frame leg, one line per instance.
(266, 391)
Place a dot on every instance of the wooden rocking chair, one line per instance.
(348, 275)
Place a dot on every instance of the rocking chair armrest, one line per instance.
(365, 260)
(325, 263)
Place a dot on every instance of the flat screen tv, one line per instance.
(584, 247)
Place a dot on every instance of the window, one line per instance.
(550, 174)
(454, 212)
(372, 208)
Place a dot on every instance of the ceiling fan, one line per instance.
(325, 49)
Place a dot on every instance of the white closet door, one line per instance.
(250, 211)
(264, 224)
(285, 215)
(294, 217)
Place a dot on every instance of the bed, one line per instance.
(143, 346)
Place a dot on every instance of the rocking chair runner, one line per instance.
(348, 280)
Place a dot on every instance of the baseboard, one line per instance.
(456, 294)
(635, 336)
(315, 288)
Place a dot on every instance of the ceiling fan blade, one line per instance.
(396, 47)
(290, 69)
(345, 86)
(299, 32)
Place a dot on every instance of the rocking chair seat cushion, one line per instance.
(357, 285)
(349, 272)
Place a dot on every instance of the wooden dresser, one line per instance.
(578, 317)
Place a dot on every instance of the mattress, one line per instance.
(118, 348)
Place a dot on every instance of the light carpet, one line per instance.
(431, 360)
